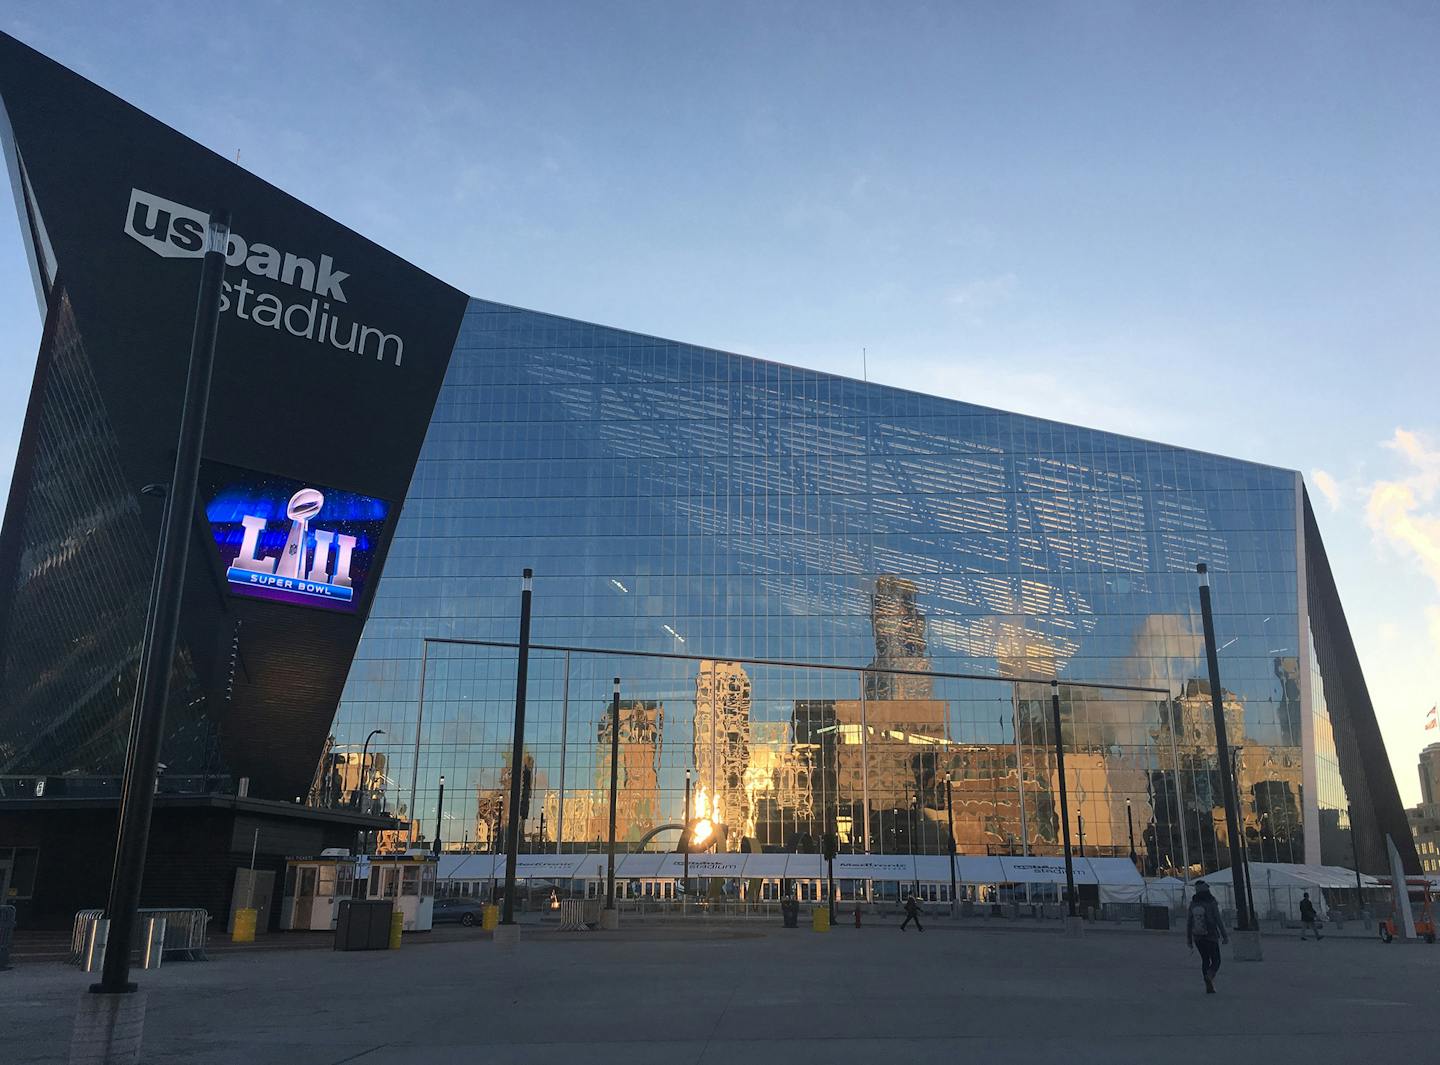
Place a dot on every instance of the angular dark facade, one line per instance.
(330, 354)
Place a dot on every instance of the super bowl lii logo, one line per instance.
(325, 574)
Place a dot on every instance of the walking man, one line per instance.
(1205, 933)
(1307, 917)
(912, 913)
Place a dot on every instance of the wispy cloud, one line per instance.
(1405, 513)
(974, 298)
(1327, 486)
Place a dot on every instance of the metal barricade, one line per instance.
(572, 915)
(185, 933)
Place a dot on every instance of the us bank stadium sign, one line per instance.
(175, 231)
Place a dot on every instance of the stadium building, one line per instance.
(837, 606)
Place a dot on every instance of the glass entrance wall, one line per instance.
(672, 498)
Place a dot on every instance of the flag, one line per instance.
(1430, 721)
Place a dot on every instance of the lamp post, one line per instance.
(614, 790)
(1064, 796)
(439, 816)
(685, 848)
(950, 817)
(1244, 843)
(1355, 852)
(1130, 822)
(1080, 820)
(1222, 753)
(365, 768)
(517, 751)
(157, 652)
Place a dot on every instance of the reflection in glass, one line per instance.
(673, 499)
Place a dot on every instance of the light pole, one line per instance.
(439, 816)
(517, 751)
(685, 848)
(1130, 822)
(950, 817)
(1080, 820)
(365, 768)
(614, 790)
(1064, 796)
(1244, 843)
(157, 652)
(1355, 852)
(1222, 753)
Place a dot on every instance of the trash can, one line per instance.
(363, 924)
(1155, 917)
(490, 918)
(244, 926)
(820, 919)
(790, 911)
(397, 929)
(7, 934)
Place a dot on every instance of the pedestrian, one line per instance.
(912, 913)
(1307, 917)
(1205, 932)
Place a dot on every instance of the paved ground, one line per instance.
(679, 995)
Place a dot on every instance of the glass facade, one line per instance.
(78, 576)
(773, 523)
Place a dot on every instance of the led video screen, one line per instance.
(294, 542)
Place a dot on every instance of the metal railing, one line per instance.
(185, 932)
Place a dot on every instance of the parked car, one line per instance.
(465, 911)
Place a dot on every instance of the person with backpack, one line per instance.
(912, 913)
(1307, 917)
(1204, 932)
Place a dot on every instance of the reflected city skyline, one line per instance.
(673, 499)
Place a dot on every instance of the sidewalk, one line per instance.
(762, 996)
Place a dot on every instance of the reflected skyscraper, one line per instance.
(899, 630)
(721, 752)
(638, 805)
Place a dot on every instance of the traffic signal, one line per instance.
(830, 845)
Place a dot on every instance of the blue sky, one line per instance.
(1210, 225)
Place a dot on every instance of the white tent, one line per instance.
(1164, 891)
(1278, 886)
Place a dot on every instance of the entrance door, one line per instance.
(305, 895)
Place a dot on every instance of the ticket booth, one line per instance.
(408, 880)
(313, 890)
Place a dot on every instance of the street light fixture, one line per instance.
(685, 848)
(1064, 796)
(950, 817)
(1130, 821)
(439, 816)
(1222, 754)
(614, 790)
(359, 797)
(517, 752)
(157, 651)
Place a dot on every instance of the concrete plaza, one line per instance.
(671, 995)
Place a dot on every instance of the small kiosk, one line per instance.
(313, 890)
(314, 887)
(408, 880)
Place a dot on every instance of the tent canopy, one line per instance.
(1285, 875)
(931, 868)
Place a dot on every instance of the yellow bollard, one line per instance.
(244, 926)
(820, 919)
(397, 925)
(490, 918)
